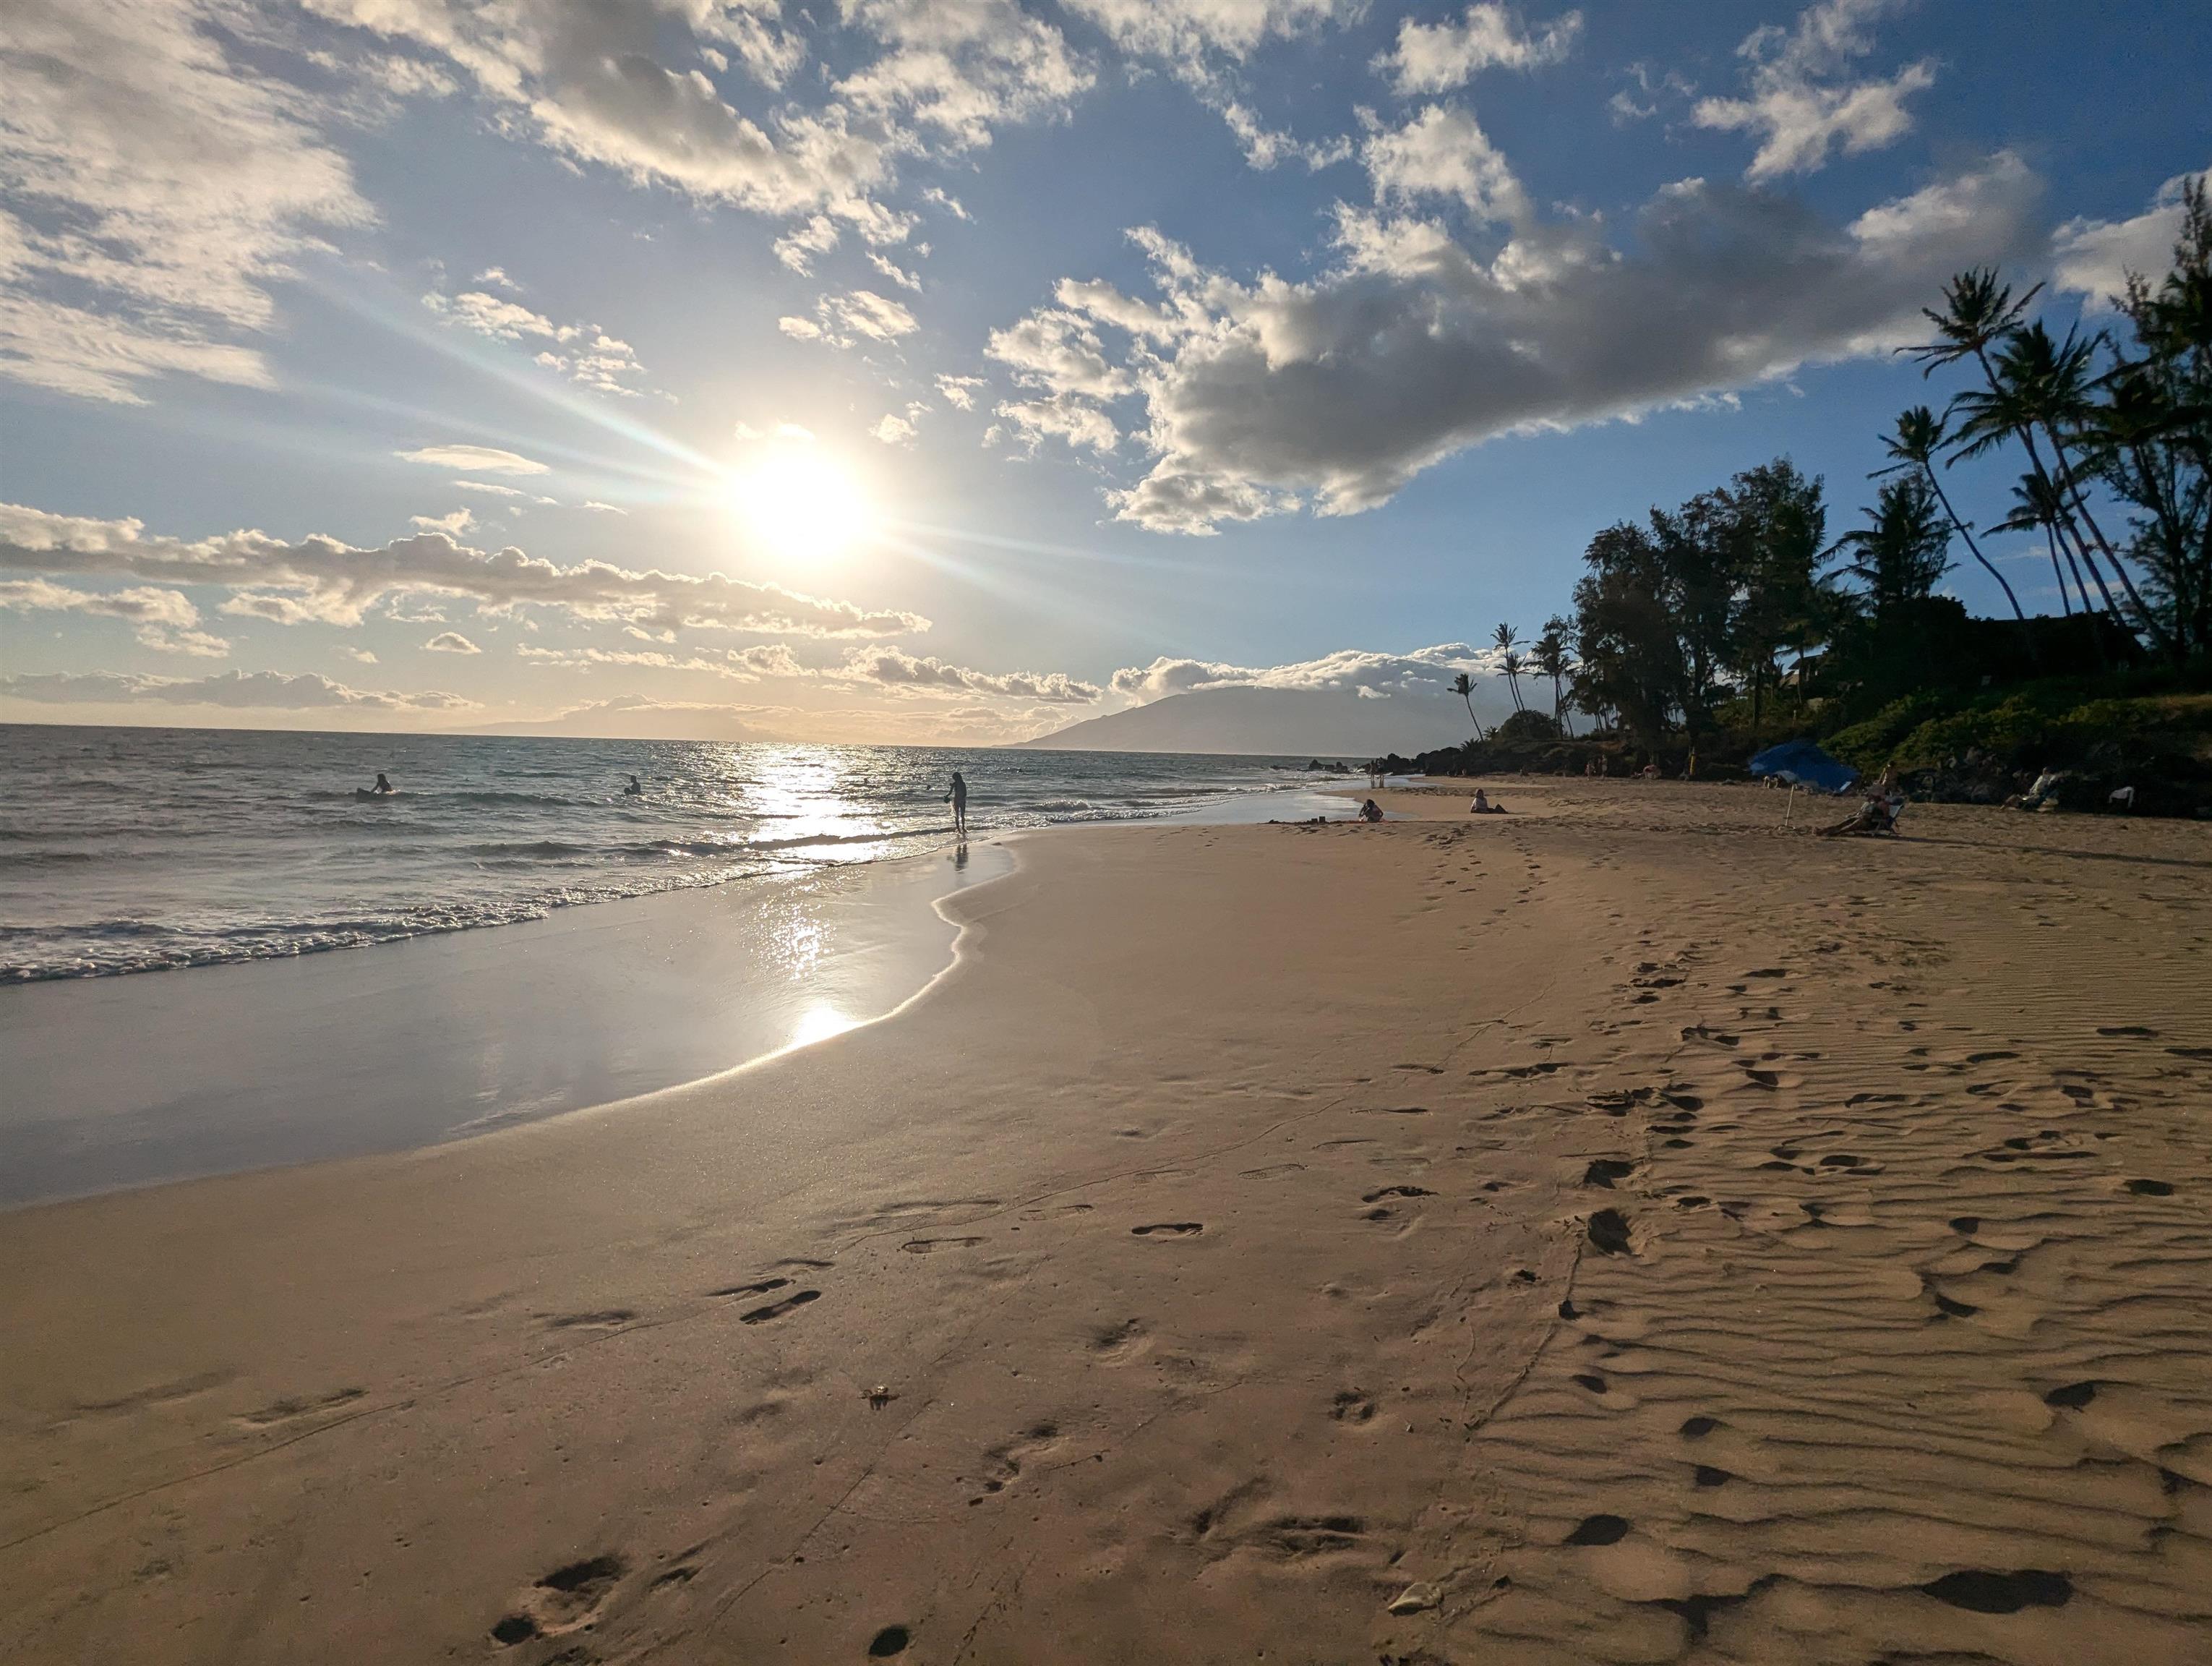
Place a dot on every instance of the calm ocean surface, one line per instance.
(125, 850)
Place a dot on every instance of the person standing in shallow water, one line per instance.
(958, 798)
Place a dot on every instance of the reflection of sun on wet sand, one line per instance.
(1623, 1230)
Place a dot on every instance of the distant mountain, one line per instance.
(1275, 723)
(621, 720)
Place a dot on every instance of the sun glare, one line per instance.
(798, 502)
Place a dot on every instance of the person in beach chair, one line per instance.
(1370, 811)
(1878, 813)
(958, 798)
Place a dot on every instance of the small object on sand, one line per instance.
(1417, 1598)
(2123, 796)
(880, 1396)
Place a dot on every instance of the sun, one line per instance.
(798, 502)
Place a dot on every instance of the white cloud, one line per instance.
(959, 391)
(486, 459)
(320, 578)
(1427, 670)
(165, 619)
(956, 68)
(1435, 57)
(584, 353)
(489, 490)
(896, 273)
(1798, 106)
(1063, 416)
(1265, 146)
(2094, 258)
(151, 190)
(359, 656)
(454, 524)
(1186, 33)
(893, 430)
(598, 507)
(799, 247)
(267, 690)
(890, 668)
(1443, 152)
(1337, 390)
(451, 641)
(841, 320)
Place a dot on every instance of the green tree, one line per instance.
(1903, 551)
(1919, 437)
(1505, 639)
(1552, 660)
(1463, 686)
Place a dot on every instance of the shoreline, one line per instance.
(445, 1035)
(1625, 1230)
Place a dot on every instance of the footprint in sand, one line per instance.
(1599, 1530)
(1002, 1465)
(288, 1409)
(891, 1640)
(609, 1318)
(1397, 1191)
(759, 1288)
(1604, 1171)
(1352, 1406)
(2150, 1188)
(1168, 1229)
(931, 1246)
(761, 1316)
(1608, 1231)
(563, 1600)
(1984, 1592)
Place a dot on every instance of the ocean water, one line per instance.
(130, 850)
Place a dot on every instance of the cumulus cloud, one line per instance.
(454, 524)
(1337, 390)
(152, 187)
(890, 668)
(451, 641)
(2094, 258)
(484, 459)
(584, 353)
(1443, 152)
(955, 68)
(322, 579)
(893, 430)
(268, 691)
(1427, 670)
(1265, 146)
(165, 619)
(1797, 102)
(1435, 57)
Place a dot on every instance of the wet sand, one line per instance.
(1622, 1230)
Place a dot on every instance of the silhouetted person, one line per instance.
(958, 798)
(1370, 811)
(634, 790)
(382, 785)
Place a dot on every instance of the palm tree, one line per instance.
(2049, 382)
(1904, 548)
(1551, 660)
(1463, 686)
(2035, 504)
(1919, 436)
(1505, 639)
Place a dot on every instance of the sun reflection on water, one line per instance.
(818, 1023)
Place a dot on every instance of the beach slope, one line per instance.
(1626, 1229)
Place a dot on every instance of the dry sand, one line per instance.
(1623, 1230)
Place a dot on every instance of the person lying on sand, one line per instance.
(1483, 806)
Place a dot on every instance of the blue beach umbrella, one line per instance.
(1802, 763)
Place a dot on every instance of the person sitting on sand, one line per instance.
(636, 789)
(382, 785)
(1370, 811)
(1483, 806)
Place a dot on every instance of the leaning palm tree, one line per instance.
(1463, 686)
(2035, 506)
(1902, 550)
(1505, 639)
(2049, 383)
(1919, 436)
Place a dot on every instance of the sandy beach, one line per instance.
(1624, 1230)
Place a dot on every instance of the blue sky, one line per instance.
(414, 363)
